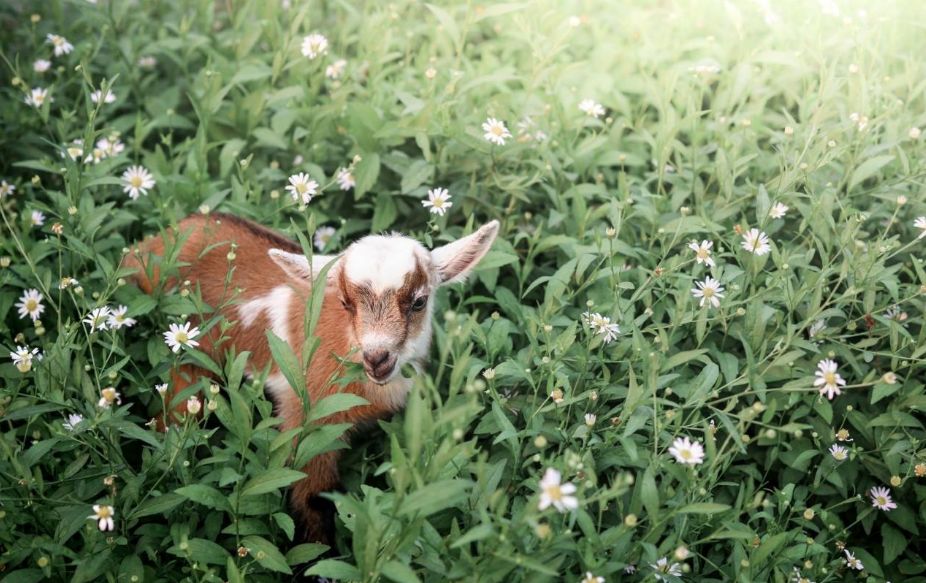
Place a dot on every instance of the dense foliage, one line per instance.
(722, 412)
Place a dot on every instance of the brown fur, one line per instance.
(205, 244)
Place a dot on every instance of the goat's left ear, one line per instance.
(296, 265)
(455, 260)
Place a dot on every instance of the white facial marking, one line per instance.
(374, 340)
(276, 306)
(383, 261)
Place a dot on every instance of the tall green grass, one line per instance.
(714, 112)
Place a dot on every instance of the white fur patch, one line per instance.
(275, 304)
(383, 261)
(391, 396)
(278, 386)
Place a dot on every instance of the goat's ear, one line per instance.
(455, 260)
(296, 265)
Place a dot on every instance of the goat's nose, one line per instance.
(376, 357)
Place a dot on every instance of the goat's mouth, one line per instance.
(381, 373)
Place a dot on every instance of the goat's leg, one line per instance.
(316, 514)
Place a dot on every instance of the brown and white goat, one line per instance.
(376, 311)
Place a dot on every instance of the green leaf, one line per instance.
(205, 495)
(400, 573)
(266, 553)
(270, 481)
(895, 542)
(649, 494)
(335, 403)
(304, 553)
(703, 508)
(286, 359)
(867, 169)
(159, 505)
(435, 497)
(335, 569)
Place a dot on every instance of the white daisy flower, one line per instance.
(6, 189)
(687, 452)
(756, 242)
(108, 396)
(37, 97)
(778, 211)
(852, 562)
(72, 421)
(104, 515)
(37, 218)
(109, 98)
(137, 181)
(589, 578)
(345, 179)
(703, 252)
(193, 405)
(75, 151)
(495, 131)
(314, 45)
(67, 282)
(147, 62)
(590, 419)
(23, 358)
(61, 44)
(98, 319)
(118, 319)
(630, 569)
(438, 201)
(30, 304)
(302, 188)
(709, 291)
(839, 453)
(828, 379)
(920, 223)
(662, 567)
(335, 69)
(181, 335)
(322, 236)
(41, 65)
(552, 492)
(915, 133)
(591, 108)
(601, 325)
(881, 499)
(161, 388)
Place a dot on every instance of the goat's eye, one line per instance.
(419, 303)
(347, 305)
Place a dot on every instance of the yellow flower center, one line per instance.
(104, 512)
(497, 130)
(31, 305)
(57, 41)
(703, 253)
(708, 292)
(554, 492)
(686, 454)
(181, 337)
(135, 181)
(830, 378)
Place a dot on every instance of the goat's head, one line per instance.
(385, 284)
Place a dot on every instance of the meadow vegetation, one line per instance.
(695, 353)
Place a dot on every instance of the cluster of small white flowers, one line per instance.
(106, 318)
(105, 148)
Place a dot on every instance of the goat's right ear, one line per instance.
(296, 265)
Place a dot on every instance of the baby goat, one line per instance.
(376, 311)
